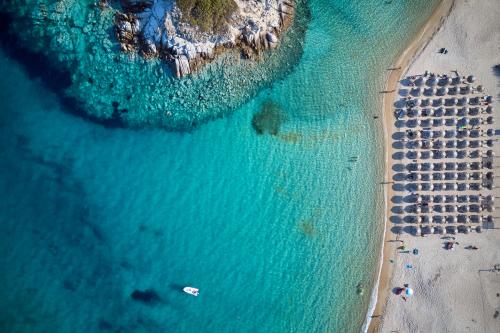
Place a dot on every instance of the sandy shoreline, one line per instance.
(399, 67)
(455, 291)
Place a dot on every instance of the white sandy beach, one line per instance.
(455, 291)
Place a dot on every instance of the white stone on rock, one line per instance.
(256, 24)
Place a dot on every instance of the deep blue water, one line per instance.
(276, 231)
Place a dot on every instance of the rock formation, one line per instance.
(147, 296)
(156, 28)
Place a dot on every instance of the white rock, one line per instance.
(271, 38)
(160, 26)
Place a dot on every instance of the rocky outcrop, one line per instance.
(155, 28)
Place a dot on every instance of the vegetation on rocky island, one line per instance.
(209, 15)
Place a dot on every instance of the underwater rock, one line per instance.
(104, 325)
(148, 296)
(269, 119)
(157, 28)
(360, 289)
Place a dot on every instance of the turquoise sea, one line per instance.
(279, 232)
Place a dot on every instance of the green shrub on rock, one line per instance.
(209, 15)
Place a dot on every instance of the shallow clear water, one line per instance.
(276, 231)
(77, 39)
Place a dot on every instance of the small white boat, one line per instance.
(191, 291)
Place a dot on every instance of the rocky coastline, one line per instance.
(76, 43)
(157, 29)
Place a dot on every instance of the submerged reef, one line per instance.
(148, 296)
(77, 39)
(269, 119)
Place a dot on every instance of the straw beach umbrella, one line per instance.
(438, 144)
(438, 112)
(474, 219)
(437, 154)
